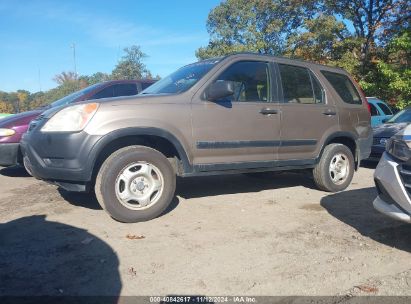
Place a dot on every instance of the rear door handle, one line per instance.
(268, 111)
(330, 113)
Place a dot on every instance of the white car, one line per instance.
(393, 178)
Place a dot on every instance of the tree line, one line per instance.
(130, 66)
(371, 39)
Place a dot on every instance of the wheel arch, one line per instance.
(345, 138)
(159, 139)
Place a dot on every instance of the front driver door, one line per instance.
(241, 131)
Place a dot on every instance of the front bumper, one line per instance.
(9, 154)
(393, 198)
(391, 210)
(65, 159)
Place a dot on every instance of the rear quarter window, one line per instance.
(374, 111)
(344, 87)
(126, 89)
(385, 108)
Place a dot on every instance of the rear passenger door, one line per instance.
(307, 117)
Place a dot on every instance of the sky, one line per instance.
(37, 37)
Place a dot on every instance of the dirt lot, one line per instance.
(227, 235)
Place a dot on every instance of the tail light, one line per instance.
(364, 98)
(366, 103)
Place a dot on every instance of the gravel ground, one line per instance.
(224, 235)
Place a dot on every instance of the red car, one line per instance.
(12, 128)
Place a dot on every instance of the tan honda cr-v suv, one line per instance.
(235, 114)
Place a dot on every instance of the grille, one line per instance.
(376, 141)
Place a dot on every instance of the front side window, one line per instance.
(182, 79)
(300, 85)
(251, 81)
(343, 86)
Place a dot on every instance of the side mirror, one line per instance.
(220, 89)
(384, 120)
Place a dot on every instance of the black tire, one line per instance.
(105, 186)
(321, 172)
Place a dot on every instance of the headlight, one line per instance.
(71, 119)
(7, 132)
(399, 148)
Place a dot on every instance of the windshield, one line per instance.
(73, 96)
(182, 79)
(402, 116)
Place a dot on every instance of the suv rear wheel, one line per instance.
(335, 170)
(135, 184)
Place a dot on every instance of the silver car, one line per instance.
(393, 178)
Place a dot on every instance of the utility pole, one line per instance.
(73, 46)
(39, 81)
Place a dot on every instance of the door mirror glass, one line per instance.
(219, 90)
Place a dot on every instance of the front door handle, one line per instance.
(268, 111)
(330, 113)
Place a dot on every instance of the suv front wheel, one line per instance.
(335, 170)
(135, 184)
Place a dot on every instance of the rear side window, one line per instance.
(300, 85)
(104, 93)
(385, 108)
(343, 86)
(374, 111)
(116, 90)
(126, 89)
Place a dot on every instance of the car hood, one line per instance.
(19, 119)
(388, 130)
